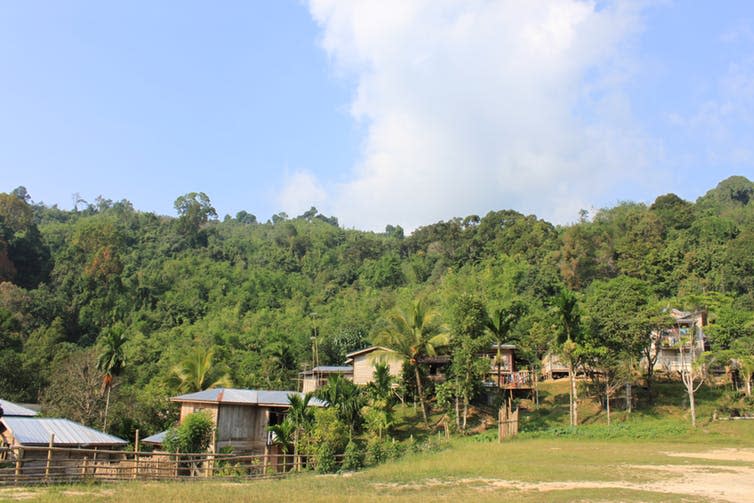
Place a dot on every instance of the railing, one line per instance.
(49, 465)
(521, 378)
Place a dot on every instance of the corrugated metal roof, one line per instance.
(325, 369)
(369, 349)
(36, 431)
(243, 396)
(13, 409)
(157, 438)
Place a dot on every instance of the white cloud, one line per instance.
(300, 192)
(481, 105)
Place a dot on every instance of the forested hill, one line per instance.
(242, 298)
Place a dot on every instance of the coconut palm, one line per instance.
(415, 335)
(110, 361)
(197, 372)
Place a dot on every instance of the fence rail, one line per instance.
(50, 465)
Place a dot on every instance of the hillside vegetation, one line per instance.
(188, 301)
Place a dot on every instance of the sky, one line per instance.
(377, 112)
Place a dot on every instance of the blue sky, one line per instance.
(375, 112)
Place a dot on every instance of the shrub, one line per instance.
(194, 434)
(353, 457)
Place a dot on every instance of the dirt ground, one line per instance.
(733, 482)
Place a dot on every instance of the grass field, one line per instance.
(651, 455)
(715, 463)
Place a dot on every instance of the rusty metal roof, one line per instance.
(37, 431)
(243, 397)
(13, 409)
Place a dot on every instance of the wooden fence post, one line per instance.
(19, 462)
(49, 457)
(136, 455)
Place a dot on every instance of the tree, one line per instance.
(74, 391)
(194, 210)
(692, 370)
(415, 335)
(346, 398)
(569, 320)
(197, 372)
(110, 361)
(500, 325)
(301, 417)
(283, 435)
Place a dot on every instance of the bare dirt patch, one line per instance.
(734, 483)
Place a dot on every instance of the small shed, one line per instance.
(29, 440)
(315, 378)
(241, 416)
(363, 363)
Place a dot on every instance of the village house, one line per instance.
(676, 347)
(502, 372)
(312, 380)
(241, 417)
(363, 362)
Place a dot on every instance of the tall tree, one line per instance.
(569, 321)
(301, 417)
(500, 325)
(111, 360)
(415, 335)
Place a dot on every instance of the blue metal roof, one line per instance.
(13, 409)
(243, 396)
(157, 438)
(36, 431)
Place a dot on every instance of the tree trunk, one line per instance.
(747, 376)
(420, 392)
(107, 406)
(458, 412)
(607, 400)
(629, 404)
(692, 405)
(573, 395)
(465, 411)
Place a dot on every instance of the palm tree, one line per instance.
(346, 398)
(283, 434)
(196, 372)
(569, 320)
(416, 335)
(110, 361)
(500, 324)
(301, 417)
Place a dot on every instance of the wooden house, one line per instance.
(677, 346)
(240, 416)
(502, 372)
(363, 362)
(312, 380)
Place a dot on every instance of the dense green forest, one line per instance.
(159, 304)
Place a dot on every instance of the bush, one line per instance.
(326, 462)
(375, 452)
(194, 434)
(353, 457)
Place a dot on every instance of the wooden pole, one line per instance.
(49, 457)
(19, 462)
(136, 456)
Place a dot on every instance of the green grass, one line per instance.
(467, 469)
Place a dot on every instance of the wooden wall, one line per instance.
(363, 365)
